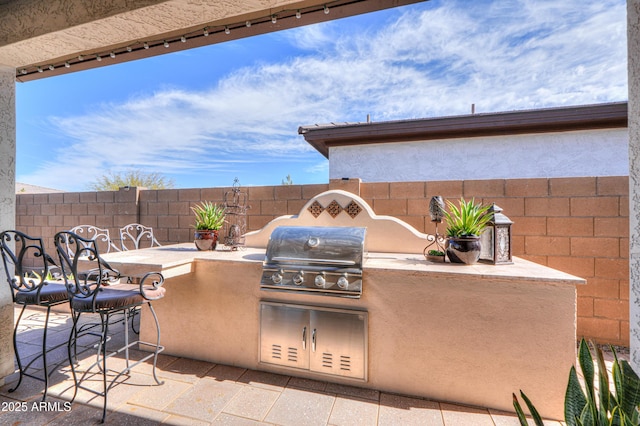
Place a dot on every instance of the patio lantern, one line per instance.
(436, 209)
(496, 239)
(437, 214)
(235, 205)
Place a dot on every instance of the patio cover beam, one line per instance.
(47, 38)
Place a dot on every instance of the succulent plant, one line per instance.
(469, 219)
(209, 216)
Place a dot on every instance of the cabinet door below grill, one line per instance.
(284, 335)
(338, 343)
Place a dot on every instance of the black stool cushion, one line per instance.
(50, 293)
(119, 296)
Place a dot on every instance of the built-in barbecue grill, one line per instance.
(319, 260)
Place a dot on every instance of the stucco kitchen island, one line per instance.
(467, 334)
(471, 334)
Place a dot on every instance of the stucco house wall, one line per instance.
(601, 152)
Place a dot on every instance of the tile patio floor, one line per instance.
(203, 393)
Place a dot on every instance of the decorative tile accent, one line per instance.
(316, 209)
(353, 209)
(334, 209)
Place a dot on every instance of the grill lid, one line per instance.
(325, 260)
(316, 245)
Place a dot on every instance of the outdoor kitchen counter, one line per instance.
(521, 270)
(467, 334)
(179, 259)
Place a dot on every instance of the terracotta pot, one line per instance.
(435, 258)
(463, 250)
(206, 239)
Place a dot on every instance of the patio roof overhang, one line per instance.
(561, 119)
(44, 38)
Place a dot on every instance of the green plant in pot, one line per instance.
(465, 224)
(209, 219)
(435, 256)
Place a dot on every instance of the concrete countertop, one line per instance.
(521, 270)
(178, 259)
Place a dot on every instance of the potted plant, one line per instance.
(209, 219)
(435, 256)
(464, 227)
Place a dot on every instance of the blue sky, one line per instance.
(205, 116)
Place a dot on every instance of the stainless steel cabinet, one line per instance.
(322, 340)
(284, 335)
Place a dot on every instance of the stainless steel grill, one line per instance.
(318, 260)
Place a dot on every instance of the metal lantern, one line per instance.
(496, 238)
(437, 214)
(436, 209)
(235, 205)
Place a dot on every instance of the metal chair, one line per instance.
(93, 286)
(105, 244)
(100, 235)
(30, 287)
(135, 236)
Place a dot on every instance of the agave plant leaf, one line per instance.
(519, 411)
(588, 372)
(209, 216)
(587, 416)
(521, 416)
(574, 400)
(606, 398)
(630, 399)
(468, 219)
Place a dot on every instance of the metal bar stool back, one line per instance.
(100, 235)
(135, 236)
(95, 287)
(30, 286)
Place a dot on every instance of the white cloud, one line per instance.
(432, 59)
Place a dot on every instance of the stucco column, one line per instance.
(633, 55)
(7, 207)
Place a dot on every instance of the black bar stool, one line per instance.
(33, 286)
(95, 287)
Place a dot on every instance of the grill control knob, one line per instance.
(320, 280)
(343, 282)
(276, 278)
(298, 278)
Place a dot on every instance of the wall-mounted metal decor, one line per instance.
(334, 209)
(235, 205)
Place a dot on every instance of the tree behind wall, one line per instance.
(134, 178)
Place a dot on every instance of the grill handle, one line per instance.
(313, 340)
(316, 261)
(304, 338)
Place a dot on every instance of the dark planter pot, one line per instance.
(206, 240)
(463, 250)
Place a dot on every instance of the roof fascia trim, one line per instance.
(562, 119)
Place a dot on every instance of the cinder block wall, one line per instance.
(577, 225)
